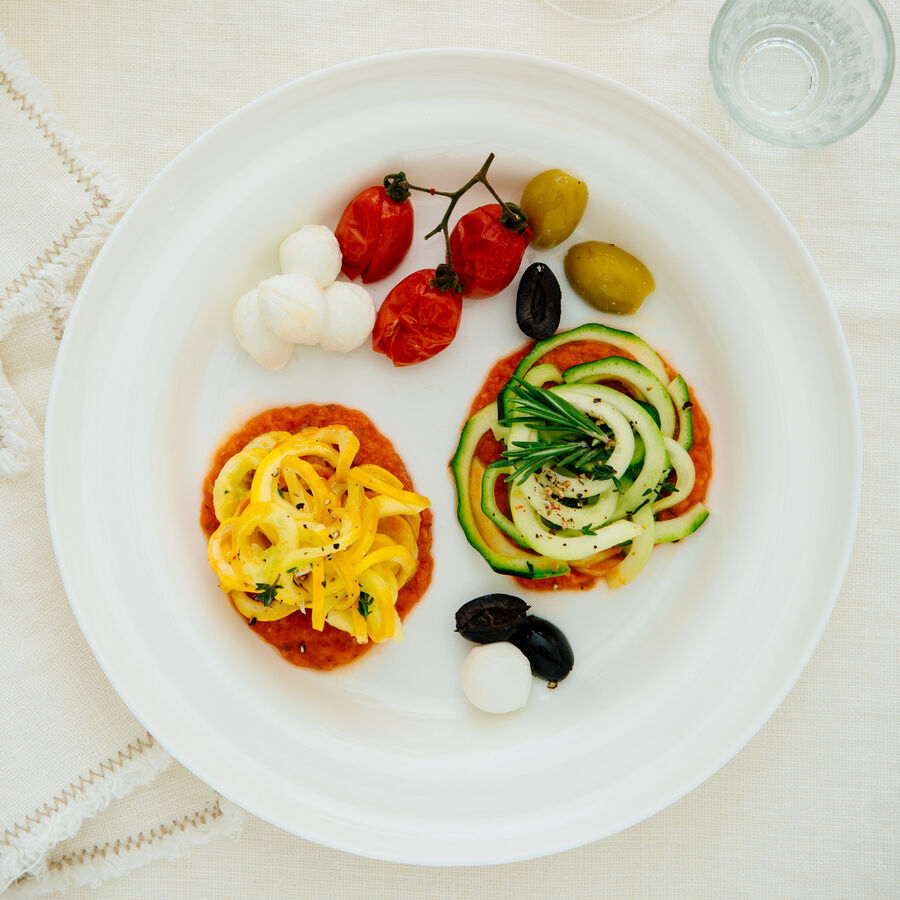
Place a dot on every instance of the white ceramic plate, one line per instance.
(674, 673)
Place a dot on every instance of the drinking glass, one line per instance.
(801, 73)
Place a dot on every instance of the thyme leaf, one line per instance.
(267, 592)
(365, 604)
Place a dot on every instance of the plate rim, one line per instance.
(798, 251)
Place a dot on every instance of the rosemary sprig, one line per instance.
(545, 411)
(569, 439)
(527, 457)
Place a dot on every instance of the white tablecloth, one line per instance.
(808, 809)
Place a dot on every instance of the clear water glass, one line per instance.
(801, 73)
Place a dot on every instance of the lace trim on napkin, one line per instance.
(102, 863)
(46, 283)
(23, 848)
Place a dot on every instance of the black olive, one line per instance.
(493, 617)
(538, 302)
(546, 647)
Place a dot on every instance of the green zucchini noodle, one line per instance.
(592, 456)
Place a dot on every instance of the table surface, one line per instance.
(809, 808)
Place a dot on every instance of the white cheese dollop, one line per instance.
(313, 251)
(496, 677)
(269, 350)
(350, 316)
(293, 306)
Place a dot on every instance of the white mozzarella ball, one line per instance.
(312, 251)
(269, 350)
(350, 316)
(496, 677)
(293, 306)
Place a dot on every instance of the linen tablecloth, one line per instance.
(96, 96)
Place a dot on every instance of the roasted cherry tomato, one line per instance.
(416, 320)
(374, 233)
(487, 253)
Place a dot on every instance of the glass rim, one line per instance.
(602, 20)
(854, 125)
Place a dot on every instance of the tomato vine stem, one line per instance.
(511, 215)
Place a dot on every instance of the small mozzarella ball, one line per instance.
(293, 306)
(312, 251)
(350, 315)
(496, 677)
(269, 350)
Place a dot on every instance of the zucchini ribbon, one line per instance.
(592, 457)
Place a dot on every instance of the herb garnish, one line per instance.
(569, 438)
(267, 592)
(668, 485)
(365, 604)
(604, 471)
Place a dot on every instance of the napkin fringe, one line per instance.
(46, 284)
(23, 849)
(89, 868)
(16, 455)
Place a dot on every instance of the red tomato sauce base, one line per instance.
(293, 636)
(563, 357)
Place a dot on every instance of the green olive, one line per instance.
(608, 277)
(554, 203)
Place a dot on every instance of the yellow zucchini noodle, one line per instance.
(302, 528)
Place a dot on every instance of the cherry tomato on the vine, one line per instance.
(485, 252)
(416, 320)
(374, 234)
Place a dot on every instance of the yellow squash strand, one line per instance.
(304, 529)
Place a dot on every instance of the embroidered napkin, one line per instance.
(58, 206)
